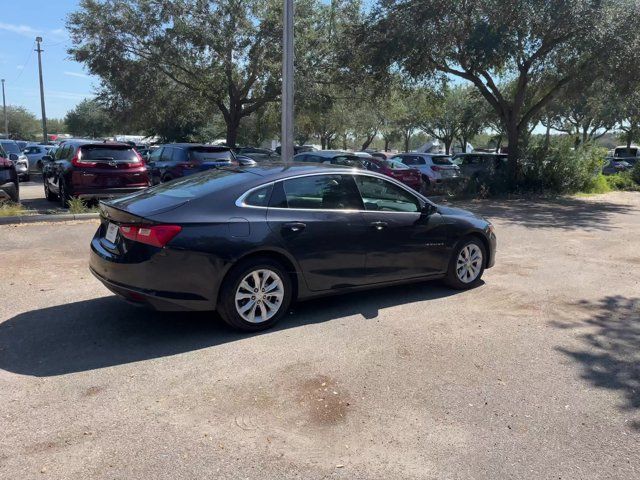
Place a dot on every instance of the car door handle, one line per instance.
(379, 225)
(294, 226)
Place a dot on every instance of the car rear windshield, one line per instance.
(624, 152)
(395, 165)
(442, 160)
(109, 153)
(11, 147)
(204, 154)
(200, 184)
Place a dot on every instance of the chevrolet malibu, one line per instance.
(249, 241)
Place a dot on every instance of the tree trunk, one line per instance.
(407, 139)
(547, 137)
(367, 142)
(233, 125)
(323, 142)
(344, 142)
(513, 137)
(447, 145)
(386, 144)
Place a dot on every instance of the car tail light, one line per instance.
(154, 235)
(5, 162)
(435, 168)
(139, 163)
(78, 162)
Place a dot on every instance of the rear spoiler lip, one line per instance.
(111, 213)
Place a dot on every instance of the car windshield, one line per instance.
(11, 147)
(442, 160)
(109, 153)
(204, 154)
(395, 165)
(626, 152)
(348, 161)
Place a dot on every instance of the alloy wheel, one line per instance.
(469, 263)
(259, 296)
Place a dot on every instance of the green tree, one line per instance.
(89, 119)
(586, 113)
(519, 57)
(23, 125)
(226, 54)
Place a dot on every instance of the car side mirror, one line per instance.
(429, 209)
(13, 157)
(245, 161)
(47, 158)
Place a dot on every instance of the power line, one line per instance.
(25, 63)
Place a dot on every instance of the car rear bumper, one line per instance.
(170, 280)
(106, 193)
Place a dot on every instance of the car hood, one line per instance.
(457, 212)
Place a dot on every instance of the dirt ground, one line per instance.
(535, 374)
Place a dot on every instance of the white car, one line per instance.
(35, 153)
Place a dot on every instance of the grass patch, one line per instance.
(10, 209)
(78, 205)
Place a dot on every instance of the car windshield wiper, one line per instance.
(108, 159)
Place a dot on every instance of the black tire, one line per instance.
(452, 279)
(49, 195)
(63, 195)
(226, 298)
(39, 166)
(24, 178)
(14, 193)
(166, 178)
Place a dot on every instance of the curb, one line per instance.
(57, 217)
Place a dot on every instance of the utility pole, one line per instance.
(287, 83)
(4, 108)
(45, 138)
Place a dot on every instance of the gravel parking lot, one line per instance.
(535, 374)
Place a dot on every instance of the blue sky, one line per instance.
(65, 82)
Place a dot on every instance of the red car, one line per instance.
(93, 170)
(396, 169)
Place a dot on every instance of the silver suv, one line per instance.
(18, 158)
(438, 172)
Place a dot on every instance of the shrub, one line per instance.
(559, 168)
(635, 173)
(77, 205)
(623, 181)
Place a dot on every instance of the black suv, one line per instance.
(177, 160)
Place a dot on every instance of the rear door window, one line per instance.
(411, 160)
(442, 160)
(321, 192)
(109, 153)
(167, 154)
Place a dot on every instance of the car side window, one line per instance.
(62, 153)
(155, 155)
(321, 192)
(180, 155)
(259, 197)
(167, 153)
(380, 195)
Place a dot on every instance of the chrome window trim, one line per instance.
(240, 201)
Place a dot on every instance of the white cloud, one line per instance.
(25, 30)
(76, 74)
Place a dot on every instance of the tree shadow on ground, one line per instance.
(610, 357)
(106, 331)
(564, 213)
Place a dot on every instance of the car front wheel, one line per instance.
(255, 295)
(466, 265)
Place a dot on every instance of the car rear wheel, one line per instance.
(49, 195)
(63, 194)
(467, 264)
(255, 294)
(14, 193)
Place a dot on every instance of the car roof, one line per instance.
(188, 145)
(278, 170)
(329, 153)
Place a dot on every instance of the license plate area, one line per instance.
(112, 233)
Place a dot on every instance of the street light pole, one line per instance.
(287, 83)
(4, 108)
(45, 138)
